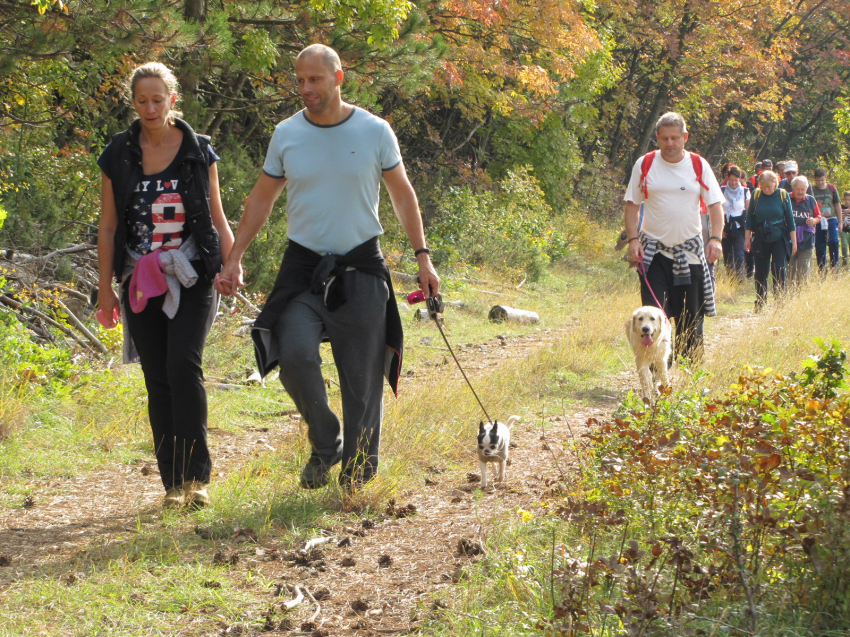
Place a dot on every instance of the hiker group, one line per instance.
(814, 212)
(680, 220)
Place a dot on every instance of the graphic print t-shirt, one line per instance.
(802, 210)
(828, 200)
(155, 216)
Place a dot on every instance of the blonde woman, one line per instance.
(770, 225)
(163, 235)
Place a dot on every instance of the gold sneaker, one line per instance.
(196, 495)
(174, 499)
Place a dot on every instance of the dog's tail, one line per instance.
(511, 421)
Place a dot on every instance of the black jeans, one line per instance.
(682, 303)
(770, 258)
(171, 352)
(733, 250)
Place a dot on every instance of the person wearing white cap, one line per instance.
(792, 171)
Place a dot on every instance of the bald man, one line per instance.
(333, 282)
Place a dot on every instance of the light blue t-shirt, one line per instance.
(333, 177)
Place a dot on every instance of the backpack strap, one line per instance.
(696, 160)
(645, 165)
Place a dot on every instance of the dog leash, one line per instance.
(641, 268)
(435, 308)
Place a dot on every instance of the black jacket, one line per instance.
(304, 269)
(126, 164)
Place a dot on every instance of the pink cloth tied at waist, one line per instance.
(163, 272)
(148, 281)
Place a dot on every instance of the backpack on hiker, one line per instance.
(646, 164)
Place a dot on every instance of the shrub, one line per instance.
(511, 228)
(731, 510)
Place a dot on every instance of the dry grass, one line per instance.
(14, 407)
(781, 335)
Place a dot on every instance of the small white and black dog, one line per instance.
(493, 446)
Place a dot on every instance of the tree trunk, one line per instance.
(195, 10)
(767, 137)
(654, 114)
(722, 125)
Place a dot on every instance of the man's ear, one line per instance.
(686, 135)
(338, 77)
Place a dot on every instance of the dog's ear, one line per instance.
(481, 427)
(634, 322)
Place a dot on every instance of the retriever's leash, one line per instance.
(435, 308)
(641, 268)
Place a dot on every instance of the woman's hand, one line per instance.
(109, 305)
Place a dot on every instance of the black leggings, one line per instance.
(770, 258)
(171, 352)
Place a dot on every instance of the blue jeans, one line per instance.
(827, 239)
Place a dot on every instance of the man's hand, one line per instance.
(713, 251)
(811, 221)
(635, 251)
(229, 280)
(429, 282)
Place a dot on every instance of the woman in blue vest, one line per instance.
(163, 235)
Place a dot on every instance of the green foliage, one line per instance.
(259, 53)
(825, 374)
(3, 214)
(45, 189)
(20, 358)
(512, 228)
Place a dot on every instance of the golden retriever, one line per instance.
(650, 336)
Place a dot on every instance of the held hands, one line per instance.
(229, 280)
(811, 221)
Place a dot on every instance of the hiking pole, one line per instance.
(435, 308)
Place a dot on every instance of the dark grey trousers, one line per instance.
(357, 333)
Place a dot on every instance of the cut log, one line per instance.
(513, 315)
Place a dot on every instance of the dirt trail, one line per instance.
(377, 582)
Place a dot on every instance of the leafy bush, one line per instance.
(732, 510)
(511, 228)
(24, 361)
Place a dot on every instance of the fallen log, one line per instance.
(29, 258)
(72, 318)
(246, 302)
(513, 315)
